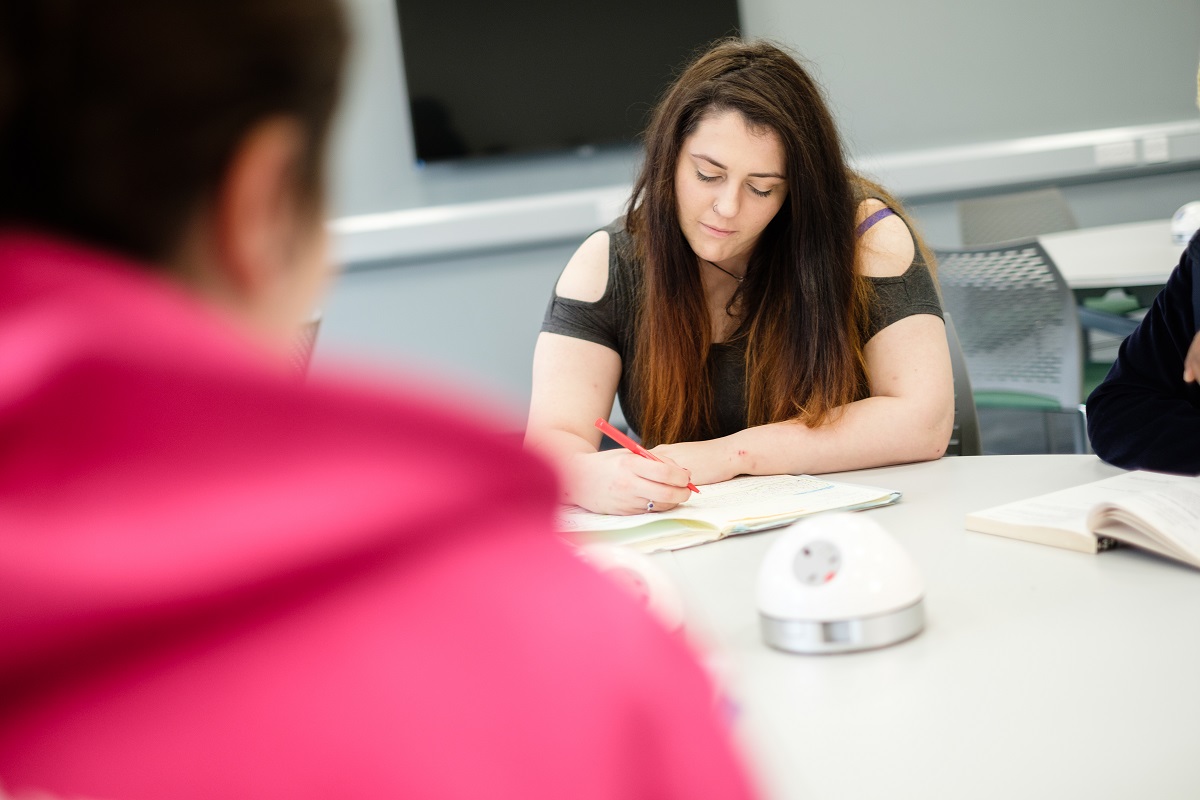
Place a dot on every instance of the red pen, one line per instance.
(630, 444)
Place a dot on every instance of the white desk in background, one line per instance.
(1042, 673)
(1128, 255)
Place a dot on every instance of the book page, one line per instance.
(743, 503)
(1066, 510)
(1166, 520)
(651, 537)
(1060, 518)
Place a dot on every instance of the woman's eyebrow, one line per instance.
(719, 165)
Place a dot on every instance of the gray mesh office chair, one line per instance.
(1007, 217)
(1019, 329)
(964, 439)
(1023, 215)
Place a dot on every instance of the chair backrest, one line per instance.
(1017, 321)
(1007, 217)
(965, 439)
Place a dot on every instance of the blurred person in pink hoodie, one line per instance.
(216, 581)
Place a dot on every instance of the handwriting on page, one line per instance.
(757, 487)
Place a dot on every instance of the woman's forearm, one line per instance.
(868, 433)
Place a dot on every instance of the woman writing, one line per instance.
(761, 309)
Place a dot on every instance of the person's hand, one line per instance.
(621, 482)
(708, 462)
(1191, 362)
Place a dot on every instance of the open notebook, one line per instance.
(742, 505)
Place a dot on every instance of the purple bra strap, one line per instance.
(866, 224)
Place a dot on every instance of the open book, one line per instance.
(1146, 509)
(742, 505)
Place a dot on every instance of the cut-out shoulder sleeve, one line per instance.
(914, 292)
(899, 296)
(605, 321)
(580, 319)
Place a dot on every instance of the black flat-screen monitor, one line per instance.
(488, 77)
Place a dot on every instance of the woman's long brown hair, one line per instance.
(803, 309)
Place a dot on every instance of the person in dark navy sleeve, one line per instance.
(1146, 413)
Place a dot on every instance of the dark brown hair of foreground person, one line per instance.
(116, 119)
(803, 307)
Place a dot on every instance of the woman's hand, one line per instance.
(621, 482)
(1191, 362)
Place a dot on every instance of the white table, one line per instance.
(1042, 673)
(1128, 255)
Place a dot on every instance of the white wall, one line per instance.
(930, 73)
(902, 78)
(472, 320)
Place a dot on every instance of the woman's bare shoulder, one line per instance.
(586, 275)
(887, 248)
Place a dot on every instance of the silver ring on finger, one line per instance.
(649, 506)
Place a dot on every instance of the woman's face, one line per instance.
(729, 184)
